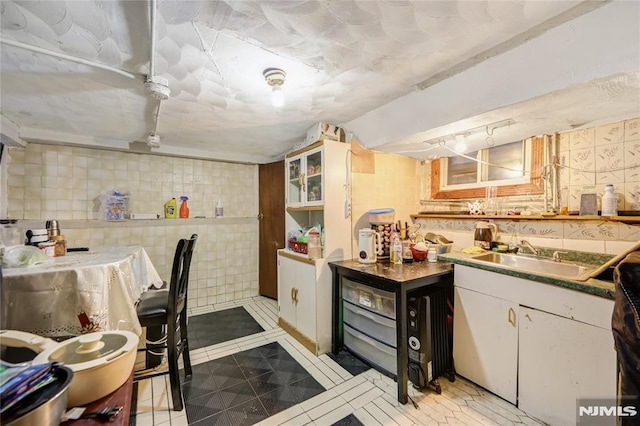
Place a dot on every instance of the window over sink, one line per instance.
(464, 177)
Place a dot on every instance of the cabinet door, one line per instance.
(562, 360)
(287, 273)
(485, 341)
(295, 181)
(314, 177)
(306, 300)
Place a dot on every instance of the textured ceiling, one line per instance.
(342, 59)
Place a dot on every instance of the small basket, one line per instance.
(298, 246)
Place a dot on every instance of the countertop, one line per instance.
(400, 273)
(593, 286)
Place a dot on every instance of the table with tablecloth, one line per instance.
(78, 293)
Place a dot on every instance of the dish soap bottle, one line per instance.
(170, 209)
(184, 208)
(609, 201)
(219, 209)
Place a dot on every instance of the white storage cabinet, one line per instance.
(537, 345)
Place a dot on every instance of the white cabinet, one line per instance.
(485, 342)
(561, 361)
(305, 183)
(315, 180)
(538, 345)
(296, 295)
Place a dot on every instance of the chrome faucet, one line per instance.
(556, 255)
(527, 244)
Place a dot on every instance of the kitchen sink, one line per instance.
(536, 265)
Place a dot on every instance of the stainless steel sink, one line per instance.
(536, 265)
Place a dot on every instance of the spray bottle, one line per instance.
(219, 209)
(184, 208)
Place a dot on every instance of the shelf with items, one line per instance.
(444, 215)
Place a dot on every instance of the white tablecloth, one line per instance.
(49, 299)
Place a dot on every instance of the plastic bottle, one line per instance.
(219, 209)
(314, 246)
(609, 201)
(184, 208)
(170, 209)
(395, 255)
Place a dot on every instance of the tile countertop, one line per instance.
(400, 273)
(593, 286)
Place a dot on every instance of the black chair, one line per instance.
(168, 309)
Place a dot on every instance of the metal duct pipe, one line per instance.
(67, 57)
(152, 25)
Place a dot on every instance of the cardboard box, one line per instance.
(324, 131)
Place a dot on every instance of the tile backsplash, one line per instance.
(65, 183)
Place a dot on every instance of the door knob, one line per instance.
(260, 216)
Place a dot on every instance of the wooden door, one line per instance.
(271, 216)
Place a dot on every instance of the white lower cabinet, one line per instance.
(296, 295)
(560, 361)
(485, 342)
(539, 346)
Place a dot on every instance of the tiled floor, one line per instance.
(367, 398)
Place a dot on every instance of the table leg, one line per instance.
(401, 333)
(336, 337)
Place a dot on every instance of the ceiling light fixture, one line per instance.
(275, 78)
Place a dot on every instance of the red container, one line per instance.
(418, 255)
(298, 246)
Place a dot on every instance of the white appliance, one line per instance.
(367, 245)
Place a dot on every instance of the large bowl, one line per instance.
(44, 407)
(418, 255)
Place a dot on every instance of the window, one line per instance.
(462, 177)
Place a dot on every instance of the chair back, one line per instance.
(180, 275)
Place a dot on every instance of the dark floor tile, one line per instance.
(278, 399)
(266, 382)
(237, 394)
(349, 362)
(229, 376)
(219, 419)
(248, 413)
(273, 350)
(224, 363)
(350, 420)
(221, 326)
(306, 388)
(198, 385)
(289, 370)
(257, 369)
(248, 357)
(202, 407)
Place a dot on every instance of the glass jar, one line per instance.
(60, 247)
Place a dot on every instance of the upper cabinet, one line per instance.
(305, 178)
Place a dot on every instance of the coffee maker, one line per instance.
(485, 234)
(367, 245)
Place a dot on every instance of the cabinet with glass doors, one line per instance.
(305, 183)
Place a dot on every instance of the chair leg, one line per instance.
(184, 338)
(154, 333)
(174, 377)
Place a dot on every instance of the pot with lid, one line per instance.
(101, 361)
(485, 234)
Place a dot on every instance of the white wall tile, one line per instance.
(585, 245)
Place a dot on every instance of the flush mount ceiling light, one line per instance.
(275, 78)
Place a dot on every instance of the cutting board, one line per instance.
(614, 260)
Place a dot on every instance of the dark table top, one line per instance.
(400, 273)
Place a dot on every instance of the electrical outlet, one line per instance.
(347, 209)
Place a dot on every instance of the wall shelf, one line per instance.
(515, 218)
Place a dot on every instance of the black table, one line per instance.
(399, 279)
